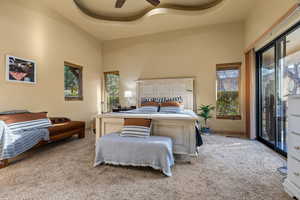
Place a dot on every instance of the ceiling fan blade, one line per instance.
(120, 3)
(154, 2)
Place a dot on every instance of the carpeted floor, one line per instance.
(227, 169)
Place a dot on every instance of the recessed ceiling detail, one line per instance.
(136, 9)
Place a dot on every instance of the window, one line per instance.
(228, 89)
(73, 82)
(112, 90)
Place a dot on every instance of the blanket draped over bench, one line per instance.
(19, 137)
(154, 151)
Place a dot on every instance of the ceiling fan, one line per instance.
(120, 3)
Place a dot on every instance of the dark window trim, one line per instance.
(112, 72)
(258, 79)
(231, 66)
(80, 98)
(229, 117)
(228, 66)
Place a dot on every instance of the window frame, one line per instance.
(80, 97)
(230, 66)
(105, 92)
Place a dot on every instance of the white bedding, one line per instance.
(154, 151)
(181, 127)
(185, 115)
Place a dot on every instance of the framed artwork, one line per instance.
(20, 70)
(73, 82)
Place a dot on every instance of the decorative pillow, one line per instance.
(171, 107)
(162, 99)
(136, 127)
(150, 103)
(172, 104)
(149, 107)
(171, 99)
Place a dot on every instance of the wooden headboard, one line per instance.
(167, 87)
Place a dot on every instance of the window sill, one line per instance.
(229, 117)
(73, 98)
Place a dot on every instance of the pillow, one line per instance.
(171, 107)
(171, 104)
(136, 127)
(149, 107)
(150, 103)
(162, 99)
(22, 117)
(173, 99)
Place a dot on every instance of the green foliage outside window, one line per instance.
(112, 85)
(72, 82)
(228, 103)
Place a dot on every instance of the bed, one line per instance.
(180, 127)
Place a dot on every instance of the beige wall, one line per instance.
(193, 52)
(49, 40)
(264, 14)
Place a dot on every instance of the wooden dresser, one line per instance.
(292, 183)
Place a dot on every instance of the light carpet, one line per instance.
(226, 169)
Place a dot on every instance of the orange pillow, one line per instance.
(137, 122)
(171, 104)
(150, 103)
(14, 118)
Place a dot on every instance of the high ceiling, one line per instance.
(170, 15)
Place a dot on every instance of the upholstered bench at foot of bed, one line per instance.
(153, 151)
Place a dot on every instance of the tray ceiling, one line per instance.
(136, 9)
(158, 19)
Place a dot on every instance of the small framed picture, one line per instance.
(20, 70)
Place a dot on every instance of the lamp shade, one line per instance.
(128, 94)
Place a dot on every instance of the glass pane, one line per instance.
(291, 64)
(228, 103)
(288, 81)
(112, 84)
(72, 82)
(268, 94)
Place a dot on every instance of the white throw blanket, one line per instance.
(154, 151)
(16, 140)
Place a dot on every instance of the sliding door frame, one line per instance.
(276, 44)
(259, 54)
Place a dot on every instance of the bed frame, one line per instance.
(180, 129)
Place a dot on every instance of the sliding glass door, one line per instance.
(278, 75)
(268, 93)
